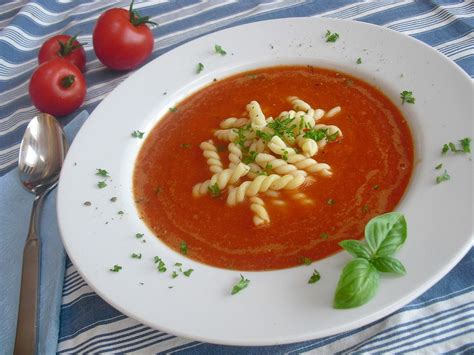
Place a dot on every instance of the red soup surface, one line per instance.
(371, 166)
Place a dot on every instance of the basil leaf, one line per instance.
(357, 284)
(356, 249)
(388, 264)
(386, 233)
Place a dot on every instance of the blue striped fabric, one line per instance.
(441, 320)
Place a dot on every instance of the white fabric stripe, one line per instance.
(183, 348)
(82, 293)
(421, 325)
(358, 14)
(462, 54)
(406, 315)
(102, 330)
(10, 157)
(166, 345)
(70, 281)
(12, 5)
(122, 345)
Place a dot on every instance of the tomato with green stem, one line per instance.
(63, 46)
(122, 40)
(57, 87)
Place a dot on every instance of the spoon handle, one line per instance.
(27, 326)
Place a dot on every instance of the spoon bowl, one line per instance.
(42, 153)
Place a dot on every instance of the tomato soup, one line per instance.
(371, 165)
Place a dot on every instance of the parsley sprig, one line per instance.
(331, 37)
(239, 286)
(407, 96)
(219, 50)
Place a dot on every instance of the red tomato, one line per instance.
(57, 87)
(121, 38)
(63, 46)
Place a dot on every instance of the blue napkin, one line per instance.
(15, 207)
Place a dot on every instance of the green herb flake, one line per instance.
(101, 184)
(444, 177)
(120, 213)
(315, 277)
(200, 68)
(185, 145)
(138, 134)
(174, 274)
(184, 248)
(285, 155)
(116, 268)
(324, 236)
(139, 235)
(239, 286)
(170, 287)
(214, 190)
(359, 60)
(102, 172)
(365, 208)
(178, 264)
(306, 261)
(136, 256)
(407, 96)
(188, 273)
(439, 166)
(445, 149)
(218, 49)
(173, 109)
(376, 187)
(466, 145)
(160, 265)
(331, 202)
(249, 158)
(331, 37)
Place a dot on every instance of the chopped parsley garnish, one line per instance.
(444, 177)
(249, 158)
(316, 134)
(283, 128)
(331, 202)
(331, 37)
(466, 145)
(439, 166)
(183, 247)
(178, 264)
(188, 273)
(306, 261)
(173, 109)
(239, 286)
(267, 170)
(102, 172)
(324, 236)
(359, 60)
(138, 134)
(365, 208)
(160, 265)
(376, 187)
(136, 256)
(445, 149)
(284, 156)
(116, 268)
(174, 274)
(200, 68)
(333, 137)
(185, 145)
(265, 136)
(214, 190)
(139, 235)
(101, 184)
(219, 50)
(315, 277)
(407, 96)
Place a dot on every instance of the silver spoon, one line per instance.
(42, 152)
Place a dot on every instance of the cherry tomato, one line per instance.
(57, 87)
(121, 38)
(63, 46)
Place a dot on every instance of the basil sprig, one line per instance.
(359, 280)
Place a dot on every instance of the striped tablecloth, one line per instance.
(441, 320)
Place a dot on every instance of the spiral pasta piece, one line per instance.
(263, 183)
(257, 118)
(277, 165)
(209, 151)
(233, 122)
(229, 176)
(310, 165)
(331, 129)
(277, 146)
(260, 213)
(308, 146)
(298, 104)
(201, 188)
(227, 135)
(235, 154)
(316, 114)
(333, 112)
